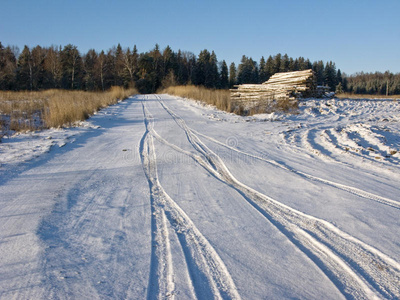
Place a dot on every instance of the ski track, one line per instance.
(209, 276)
(358, 270)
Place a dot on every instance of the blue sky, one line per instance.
(356, 35)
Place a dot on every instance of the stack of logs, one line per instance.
(281, 86)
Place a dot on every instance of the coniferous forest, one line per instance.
(58, 67)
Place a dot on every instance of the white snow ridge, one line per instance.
(159, 197)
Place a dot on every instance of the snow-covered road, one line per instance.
(163, 198)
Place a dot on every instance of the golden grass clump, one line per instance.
(219, 98)
(22, 111)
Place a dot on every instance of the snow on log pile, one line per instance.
(287, 86)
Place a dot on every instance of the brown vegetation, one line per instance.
(366, 96)
(218, 98)
(21, 111)
(221, 99)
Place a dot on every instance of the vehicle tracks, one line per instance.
(209, 277)
(358, 270)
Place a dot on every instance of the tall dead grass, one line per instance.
(366, 96)
(21, 111)
(219, 98)
(222, 100)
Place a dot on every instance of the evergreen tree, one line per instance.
(247, 71)
(8, 68)
(224, 80)
(232, 75)
(38, 71)
(319, 69)
(25, 70)
(277, 63)
(292, 65)
(284, 66)
(89, 66)
(263, 71)
(202, 64)
(339, 76)
(72, 67)
(330, 75)
(270, 66)
(212, 74)
(168, 61)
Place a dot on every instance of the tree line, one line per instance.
(373, 83)
(67, 68)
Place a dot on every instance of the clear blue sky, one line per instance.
(356, 35)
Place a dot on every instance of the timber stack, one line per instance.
(287, 86)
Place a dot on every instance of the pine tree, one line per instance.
(72, 67)
(284, 66)
(330, 75)
(25, 70)
(319, 69)
(263, 71)
(232, 75)
(270, 66)
(8, 68)
(89, 64)
(38, 71)
(212, 74)
(224, 80)
(277, 63)
(247, 71)
(339, 76)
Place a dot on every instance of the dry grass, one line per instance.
(219, 98)
(366, 96)
(22, 111)
(222, 100)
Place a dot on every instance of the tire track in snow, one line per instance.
(353, 190)
(327, 143)
(358, 270)
(209, 276)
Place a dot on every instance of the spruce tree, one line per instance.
(224, 80)
(232, 75)
(89, 63)
(25, 70)
(8, 68)
(263, 71)
(284, 66)
(330, 75)
(270, 66)
(72, 67)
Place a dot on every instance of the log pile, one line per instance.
(287, 86)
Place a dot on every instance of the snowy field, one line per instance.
(160, 198)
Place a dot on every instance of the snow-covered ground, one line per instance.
(160, 197)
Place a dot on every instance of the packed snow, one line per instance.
(161, 197)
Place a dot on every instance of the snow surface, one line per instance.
(160, 197)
